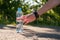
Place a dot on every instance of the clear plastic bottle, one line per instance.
(19, 23)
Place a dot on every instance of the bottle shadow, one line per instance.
(31, 33)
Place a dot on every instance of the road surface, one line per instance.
(29, 33)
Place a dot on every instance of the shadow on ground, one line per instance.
(11, 27)
(31, 33)
(57, 28)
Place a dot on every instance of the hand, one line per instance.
(27, 18)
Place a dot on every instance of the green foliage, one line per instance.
(8, 10)
(51, 17)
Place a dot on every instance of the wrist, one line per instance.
(36, 14)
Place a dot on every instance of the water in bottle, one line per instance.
(19, 23)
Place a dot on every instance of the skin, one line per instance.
(31, 17)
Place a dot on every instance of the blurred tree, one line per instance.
(8, 10)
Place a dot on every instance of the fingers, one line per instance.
(26, 22)
(20, 18)
(24, 19)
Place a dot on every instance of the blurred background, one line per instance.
(8, 10)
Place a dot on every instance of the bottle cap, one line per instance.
(19, 9)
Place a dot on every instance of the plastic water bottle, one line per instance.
(19, 23)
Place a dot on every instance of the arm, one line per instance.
(50, 4)
(31, 17)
